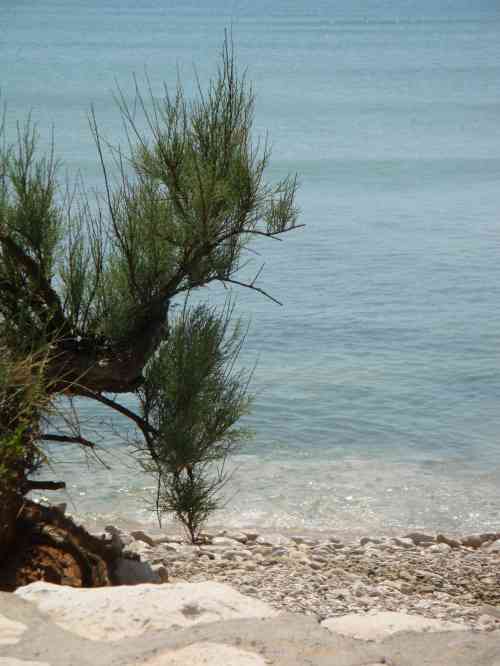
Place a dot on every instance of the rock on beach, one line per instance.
(250, 599)
(436, 577)
(114, 613)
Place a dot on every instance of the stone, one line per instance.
(369, 540)
(238, 536)
(214, 549)
(486, 620)
(452, 543)
(251, 535)
(493, 611)
(225, 541)
(119, 537)
(265, 551)
(273, 540)
(307, 541)
(135, 572)
(420, 539)
(280, 551)
(170, 547)
(160, 570)
(168, 539)
(178, 556)
(403, 542)
(440, 548)
(206, 654)
(230, 554)
(136, 549)
(405, 587)
(113, 613)
(139, 535)
(494, 547)
(378, 626)
(472, 541)
(316, 566)
(319, 557)
(489, 536)
(10, 631)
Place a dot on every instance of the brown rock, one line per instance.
(420, 539)
(139, 535)
(453, 543)
(489, 536)
(494, 547)
(472, 541)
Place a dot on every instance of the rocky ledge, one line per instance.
(436, 577)
(209, 624)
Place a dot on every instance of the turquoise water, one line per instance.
(378, 381)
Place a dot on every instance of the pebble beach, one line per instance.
(435, 576)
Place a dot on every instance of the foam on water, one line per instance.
(350, 495)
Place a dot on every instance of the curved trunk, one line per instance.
(80, 366)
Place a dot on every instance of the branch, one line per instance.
(146, 428)
(95, 132)
(143, 425)
(76, 440)
(249, 285)
(275, 235)
(45, 485)
(49, 437)
(34, 272)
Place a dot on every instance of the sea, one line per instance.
(377, 382)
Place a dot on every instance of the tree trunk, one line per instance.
(10, 506)
(80, 365)
(48, 546)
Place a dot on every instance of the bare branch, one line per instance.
(50, 437)
(275, 235)
(143, 425)
(95, 131)
(45, 485)
(250, 285)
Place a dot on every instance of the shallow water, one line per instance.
(378, 382)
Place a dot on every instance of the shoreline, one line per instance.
(438, 577)
(272, 597)
(349, 535)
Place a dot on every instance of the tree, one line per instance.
(94, 284)
(193, 397)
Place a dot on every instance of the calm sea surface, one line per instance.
(378, 381)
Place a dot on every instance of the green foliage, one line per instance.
(190, 495)
(23, 397)
(30, 227)
(87, 288)
(12, 454)
(194, 397)
(27, 197)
